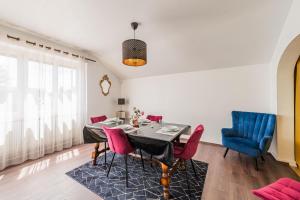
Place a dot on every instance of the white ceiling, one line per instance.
(182, 35)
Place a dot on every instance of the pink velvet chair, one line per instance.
(96, 120)
(118, 143)
(186, 151)
(155, 118)
(282, 189)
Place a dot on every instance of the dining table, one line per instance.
(153, 138)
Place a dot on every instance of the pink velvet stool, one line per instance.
(282, 189)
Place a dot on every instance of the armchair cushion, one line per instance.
(242, 145)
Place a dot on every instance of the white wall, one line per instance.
(97, 103)
(205, 97)
(282, 85)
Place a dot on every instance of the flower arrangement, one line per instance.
(134, 120)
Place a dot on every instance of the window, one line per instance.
(8, 72)
(42, 105)
(8, 84)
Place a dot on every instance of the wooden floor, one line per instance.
(230, 178)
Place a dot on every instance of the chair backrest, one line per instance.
(155, 118)
(253, 125)
(117, 140)
(98, 119)
(191, 146)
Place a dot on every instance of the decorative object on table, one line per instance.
(118, 143)
(105, 85)
(134, 120)
(142, 184)
(155, 118)
(282, 189)
(134, 50)
(251, 134)
(121, 114)
(96, 153)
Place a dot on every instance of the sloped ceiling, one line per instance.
(182, 35)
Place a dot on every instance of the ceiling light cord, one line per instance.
(134, 34)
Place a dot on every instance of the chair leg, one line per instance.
(186, 175)
(142, 160)
(225, 152)
(126, 170)
(256, 164)
(112, 160)
(192, 162)
(151, 160)
(105, 153)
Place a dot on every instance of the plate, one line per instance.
(171, 128)
(125, 127)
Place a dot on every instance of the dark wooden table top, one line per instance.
(150, 130)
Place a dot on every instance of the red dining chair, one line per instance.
(118, 143)
(155, 118)
(96, 120)
(186, 151)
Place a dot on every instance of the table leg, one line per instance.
(95, 154)
(177, 139)
(165, 181)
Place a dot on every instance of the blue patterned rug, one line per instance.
(142, 185)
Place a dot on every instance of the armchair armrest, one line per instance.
(265, 143)
(228, 132)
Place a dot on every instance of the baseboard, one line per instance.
(186, 137)
(210, 143)
(291, 164)
(280, 161)
(296, 170)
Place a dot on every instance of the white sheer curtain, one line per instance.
(42, 103)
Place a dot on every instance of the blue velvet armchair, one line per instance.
(251, 133)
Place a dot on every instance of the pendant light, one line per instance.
(134, 50)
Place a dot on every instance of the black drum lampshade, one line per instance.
(134, 50)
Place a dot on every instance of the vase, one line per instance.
(136, 123)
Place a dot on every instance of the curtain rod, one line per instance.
(49, 48)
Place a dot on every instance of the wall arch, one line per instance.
(285, 102)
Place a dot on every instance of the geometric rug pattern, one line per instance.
(142, 185)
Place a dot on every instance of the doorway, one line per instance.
(297, 113)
